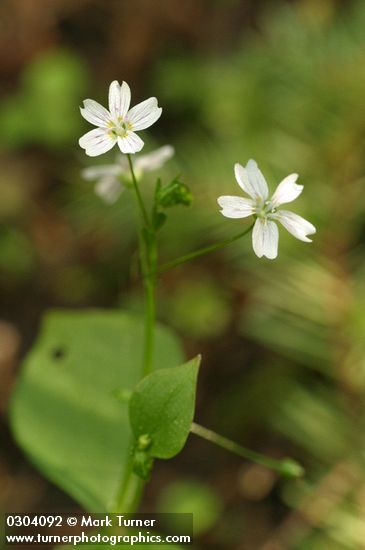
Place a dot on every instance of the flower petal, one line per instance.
(109, 189)
(251, 180)
(265, 238)
(154, 160)
(236, 207)
(102, 170)
(243, 181)
(119, 99)
(286, 191)
(257, 180)
(144, 114)
(95, 113)
(96, 142)
(296, 225)
(131, 143)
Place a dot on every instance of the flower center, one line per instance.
(265, 209)
(120, 128)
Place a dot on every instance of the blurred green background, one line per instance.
(283, 342)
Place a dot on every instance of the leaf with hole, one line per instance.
(65, 411)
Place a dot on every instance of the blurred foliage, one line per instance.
(198, 306)
(43, 109)
(283, 342)
(16, 259)
(191, 496)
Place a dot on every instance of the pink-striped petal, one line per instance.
(144, 114)
(95, 113)
(131, 143)
(119, 99)
(96, 142)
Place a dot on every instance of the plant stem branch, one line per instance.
(148, 256)
(286, 467)
(130, 491)
(202, 251)
(150, 307)
(132, 485)
(137, 192)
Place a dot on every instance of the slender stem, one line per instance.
(150, 308)
(148, 255)
(286, 466)
(130, 491)
(132, 485)
(202, 251)
(137, 192)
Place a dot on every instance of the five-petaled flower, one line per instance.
(119, 124)
(265, 235)
(108, 177)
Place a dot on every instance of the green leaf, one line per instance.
(162, 408)
(159, 219)
(65, 411)
(172, 194)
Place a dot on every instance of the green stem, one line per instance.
(132, 485)
(202, 251)
(130, 491)
(137, 192)
(148, 255)
(150, 308)
(286, 466)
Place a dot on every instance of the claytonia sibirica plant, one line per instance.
(101, 452)
(109, 177)
(265, 234)
(119, 124)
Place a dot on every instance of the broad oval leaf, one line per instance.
(65, 412)
(162, 408)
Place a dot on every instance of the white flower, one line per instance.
(265, 234)
(119, 124)
(108, 176)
